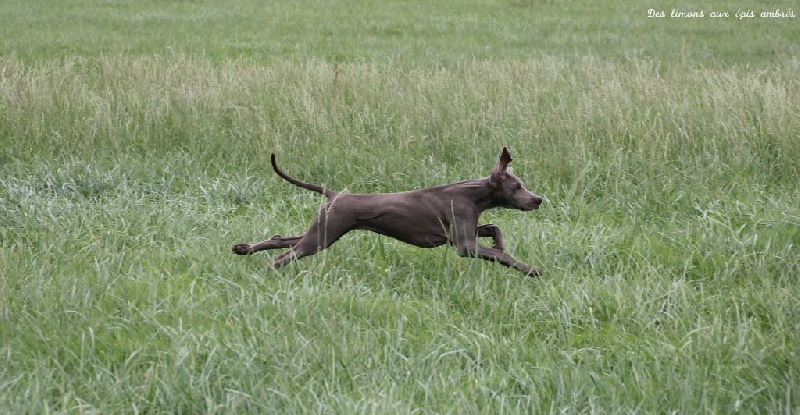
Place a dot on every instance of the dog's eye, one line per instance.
(517, 186)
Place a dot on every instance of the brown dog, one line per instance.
(425, 218)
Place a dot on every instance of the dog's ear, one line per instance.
(505, 158)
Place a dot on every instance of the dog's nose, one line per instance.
(535, 202)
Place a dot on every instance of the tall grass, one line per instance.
(668, 238)
(637, 112)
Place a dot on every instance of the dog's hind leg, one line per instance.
(277, 241)
(326, 229)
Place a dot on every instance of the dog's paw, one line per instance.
(534, 272)
(241, 249)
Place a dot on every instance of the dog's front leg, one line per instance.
(469, 247)
(492, 231)
(491, 254)
(466, 243)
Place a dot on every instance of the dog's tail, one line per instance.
(313, 187)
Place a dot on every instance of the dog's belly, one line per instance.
(402, 217)
(420, 239)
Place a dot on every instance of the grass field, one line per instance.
(134, 147)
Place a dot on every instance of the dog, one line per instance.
(425, 218)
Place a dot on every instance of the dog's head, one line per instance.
(508, 190)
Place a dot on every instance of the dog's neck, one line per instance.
(479, 191)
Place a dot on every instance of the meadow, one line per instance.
(134, 152)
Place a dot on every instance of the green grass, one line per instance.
(132, 156)
(398, 32)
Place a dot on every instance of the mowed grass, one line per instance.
(403, 33)
(668, 238)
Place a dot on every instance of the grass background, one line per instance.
(135, 138)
